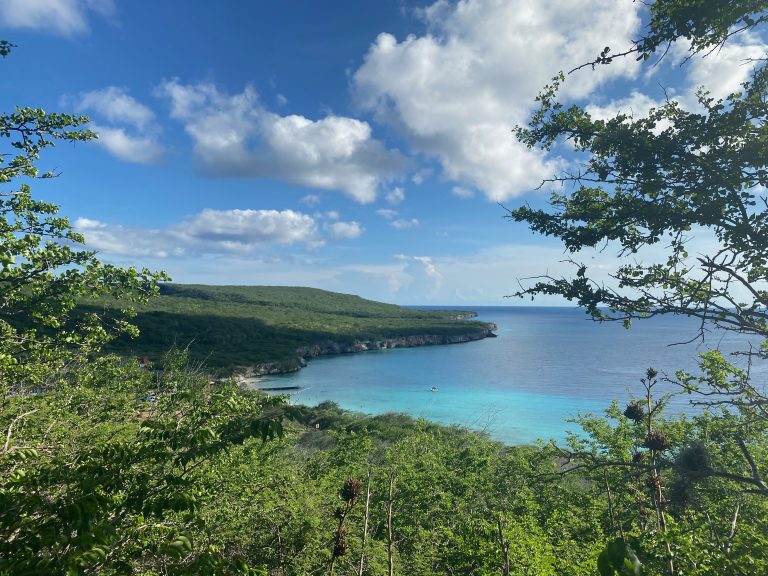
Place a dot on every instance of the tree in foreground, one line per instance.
(99, 460)
(662, 179)
(45, 273)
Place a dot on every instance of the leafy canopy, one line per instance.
(663, 178)
(44, 271)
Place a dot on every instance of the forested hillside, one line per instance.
(276, 328)
(110, 468)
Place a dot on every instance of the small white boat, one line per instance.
(434, 388)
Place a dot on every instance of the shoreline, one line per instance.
(332, 347)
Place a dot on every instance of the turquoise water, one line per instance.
(546, 365)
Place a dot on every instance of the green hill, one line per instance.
(275, 328)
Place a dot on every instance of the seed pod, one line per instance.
(634, 411)
(340, 548)
(653, 482)
(656, 440)
(352, 490)
(651, 373)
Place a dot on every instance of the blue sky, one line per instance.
(356, 146)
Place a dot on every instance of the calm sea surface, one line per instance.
(546, 365)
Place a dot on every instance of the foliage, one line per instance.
(242, 326)
(98, 474)
(666, 177)
(118, 469)
(44, 273)
(5, 48)
(677, 489)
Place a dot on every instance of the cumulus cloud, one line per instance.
(724, 70)
(126, 127)
(386, 213)
(246, 229)
(344, 230)
(395, 196)
(404, 224)
(394, 221)
(457, 91)
(116, 105)
(141, 149)
(461, 192)
(217, 232)
(720, 72)
(123, 241)
(235, 135)
(421, 274)
(66, 17)
(636, 105)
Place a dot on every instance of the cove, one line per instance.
(546, 366)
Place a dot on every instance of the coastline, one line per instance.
(332, 347)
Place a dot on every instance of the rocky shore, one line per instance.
(306, 353)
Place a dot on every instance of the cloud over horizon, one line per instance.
(216, 232)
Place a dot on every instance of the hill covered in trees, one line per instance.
(276, 328)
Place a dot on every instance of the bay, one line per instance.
(546, 366)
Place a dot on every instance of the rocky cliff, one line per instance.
(305, 353)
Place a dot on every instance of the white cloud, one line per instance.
(394, 221)
(395, 196)
(386, 213)
(421, 275)
(310, 200)
(66, 17)
(344, 230)
(421, 175)
(403, 224)
(122, 241)
(246, 229)
(116, 105)
(131, 148)
(457, 92)
(208, 232)
(722, 71)
(237, 136)
(461, 192)
(129, 130)
(636, 105)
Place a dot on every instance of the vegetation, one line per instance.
(667, 177)
(232, 327)
(664, 178)
(107, 468)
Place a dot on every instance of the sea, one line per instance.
(547, 366)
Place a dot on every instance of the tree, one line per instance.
(663, 178)
(45, 274)
(104, 483)
(99, 459)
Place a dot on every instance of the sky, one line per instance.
(359, 146)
